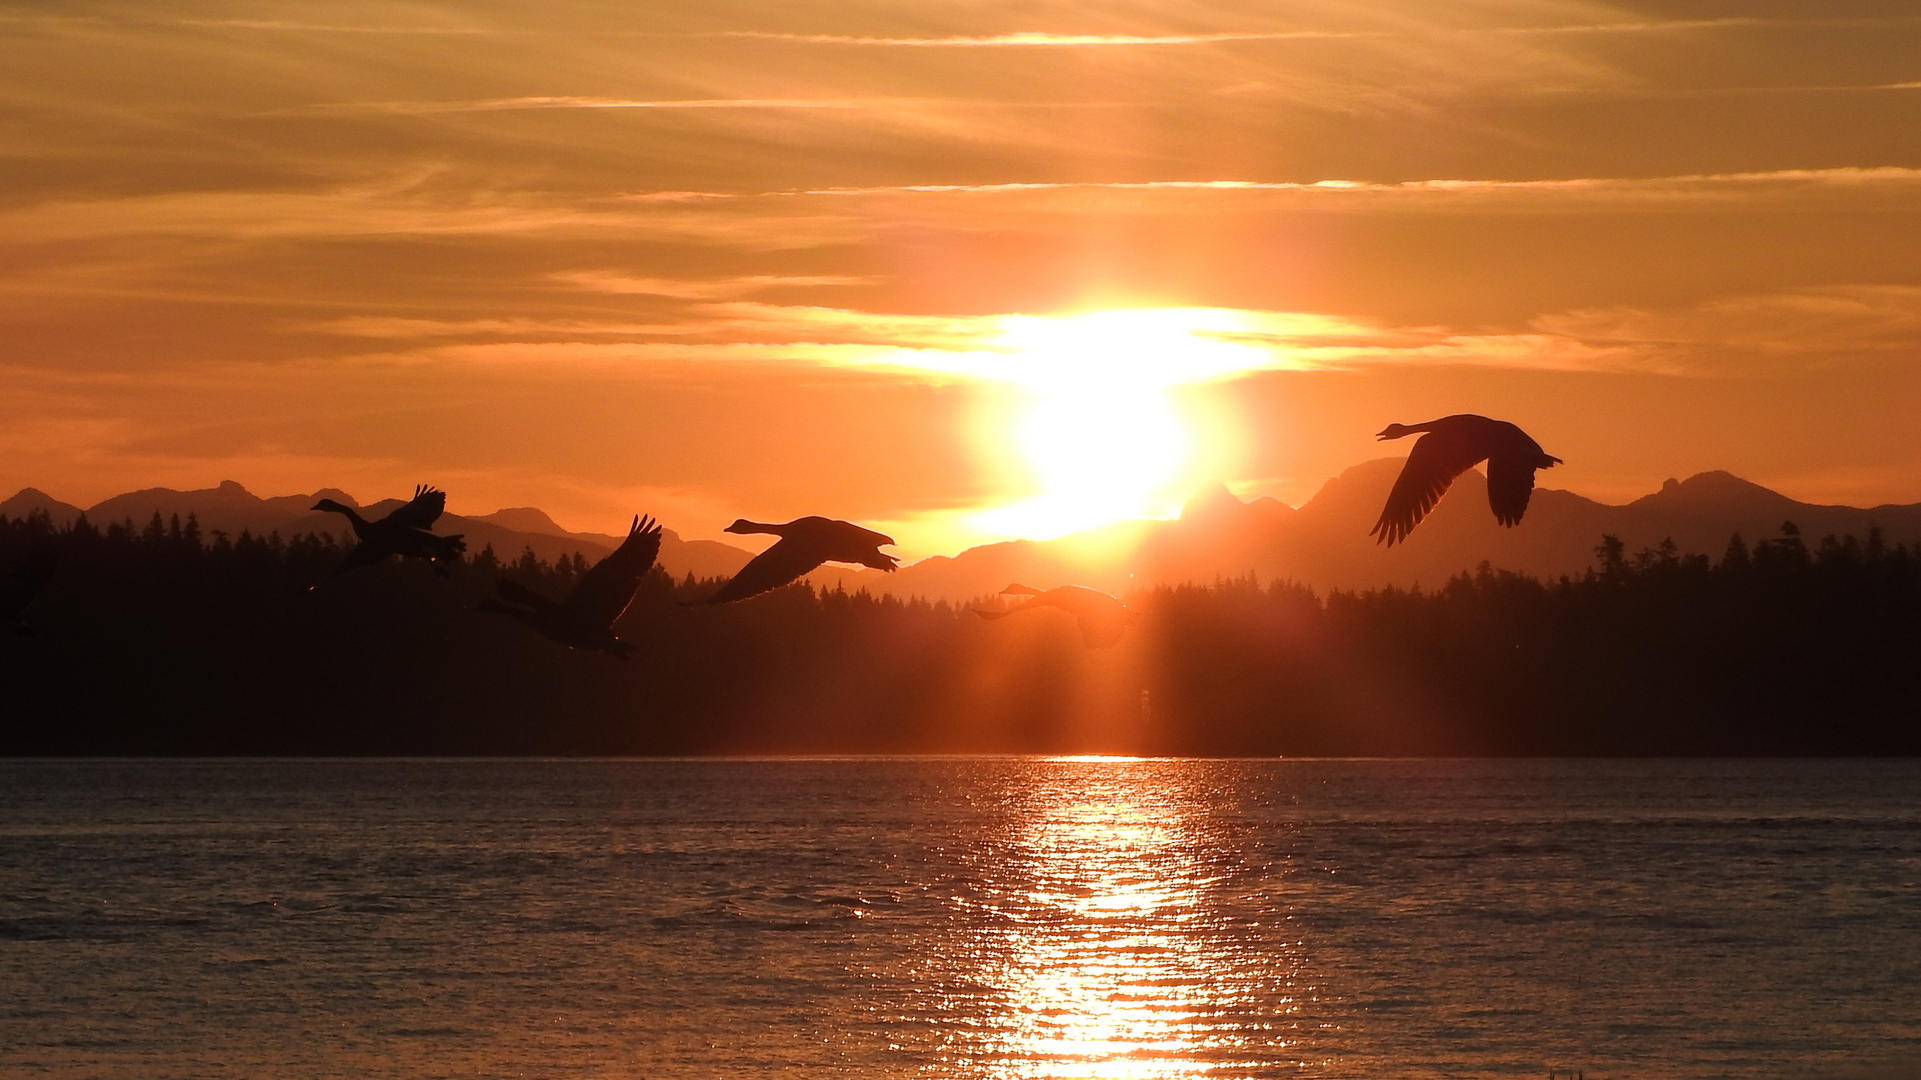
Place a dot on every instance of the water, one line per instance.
(967, 918)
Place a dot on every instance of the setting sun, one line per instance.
(1101, 434)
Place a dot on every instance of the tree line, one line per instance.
(159, 639)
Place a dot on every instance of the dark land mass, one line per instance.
(161, 639)
(1323, 543)
(232, 509)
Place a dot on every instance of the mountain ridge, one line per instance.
(1323, 543)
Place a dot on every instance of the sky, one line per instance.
(959, 270)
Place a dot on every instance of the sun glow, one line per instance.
(1102, 435)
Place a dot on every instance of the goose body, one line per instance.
(406, 532)
(804, 544)
(1449, 447)
(1102, 618)
(585, 619)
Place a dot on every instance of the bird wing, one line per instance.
(1438, 457)
(858, 534)
(420, 513)
(1510, 483)
(521, 594)
(606, 590)
(770, 569)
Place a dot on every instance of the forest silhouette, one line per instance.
(156, 639)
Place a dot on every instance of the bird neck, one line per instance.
(348, 512)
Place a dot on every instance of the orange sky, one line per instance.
(766, 259)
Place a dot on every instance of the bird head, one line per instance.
(1394, 431)
(330, 506)
(742, 525)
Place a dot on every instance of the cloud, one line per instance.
(607, 281)
(1031, 39)
(1636, 189)
(395, 328)
(516, 104)
(1760, 334)
(1767, 334)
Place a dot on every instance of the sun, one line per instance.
(1100, 432)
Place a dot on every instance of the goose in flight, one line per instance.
(405, 533)
(1451, 446)
(804, 544)
(18, 589)
(585, 620)
(1103, 618)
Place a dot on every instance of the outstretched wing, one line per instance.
(522, 595)
(420, 513)
(858, 534)
(770, 569)
(1438, 457)
(1510, 483)
(608, 588)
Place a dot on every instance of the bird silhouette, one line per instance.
(586, 618)
(1102, 618)
(1451, 446)
(405, 533)
(804, 544)
(18, 589)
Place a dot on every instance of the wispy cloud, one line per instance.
(398, 328)
(607, 281)
(289, 26)
(1760, 334)
(518, 104)
(1035, 39)
(1842, 177)
(1057, 39)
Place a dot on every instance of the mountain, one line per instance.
(30, 501)
(232, 509)
(1325, 543)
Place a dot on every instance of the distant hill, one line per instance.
(1325, 542)
(30, 501)
(231, 508)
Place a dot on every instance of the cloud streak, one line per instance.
(1750, 335)
(523, 104)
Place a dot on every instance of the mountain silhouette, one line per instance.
(1322, 543)
(231, 508)
(30, 501)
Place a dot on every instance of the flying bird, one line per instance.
(1102, 618)
(1451, 446)
(18, 589)
(585, 620)
(405, 532)
(804, 544)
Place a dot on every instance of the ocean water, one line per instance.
(966, 918)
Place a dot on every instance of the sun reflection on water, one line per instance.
(1123, 956)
